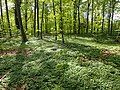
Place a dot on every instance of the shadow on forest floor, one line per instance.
(91, 52)
(48, 67)
(11, 68)
(45, 66)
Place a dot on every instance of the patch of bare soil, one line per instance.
(14, 52)
(105, 53)
(8, 52)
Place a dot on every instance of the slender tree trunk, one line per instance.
(16, 18)
(109, 18)
(42, 19)
(46, 18)
(8, 20)
(35, 6)
(1, 19)
(61, 22)
(88, 10)
(92, 17)
(113, 9)
(38, 27)
(98, 23)
(79, 17)
(26, 16)
(23, 35)
(54, 11)
(32, 21)
(103, 16)
(95, 22)
(70, 25)
(75, 16)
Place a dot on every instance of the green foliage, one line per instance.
(82, 63)
(68, 9)
(74, 67)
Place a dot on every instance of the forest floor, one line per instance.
(82, 63)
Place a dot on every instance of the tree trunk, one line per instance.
(103, 16)
(79, 17)
(46, 18)
(109, 18)
(61, 22)
(8, 20)
(54, 11)
(16, 18)
(70, 24)
(113, 9)
(26, 16)
(38, 27)
(92, 17)
(1, 19)
(35, 6)
(23, 35)
(75, 16)
(42, 19)
(88, 10)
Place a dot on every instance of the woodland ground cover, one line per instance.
(66, 45)
(82, 63)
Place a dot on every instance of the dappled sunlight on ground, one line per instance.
(79, 64)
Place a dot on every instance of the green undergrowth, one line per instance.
(76, 65)
(9, 43)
